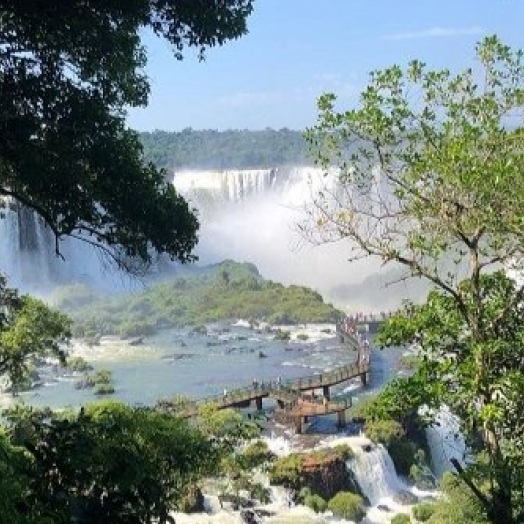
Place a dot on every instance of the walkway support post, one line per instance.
(341, 419)
(325, 392)
(258, 402)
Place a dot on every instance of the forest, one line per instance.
(231, 149)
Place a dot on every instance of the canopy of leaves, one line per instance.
(68, 71)
(429, 167)
(430, 177)
(108, 463)
(480, 379)
(29, 329)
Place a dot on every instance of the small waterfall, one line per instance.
(9, 254)
(445, 441)
(25, 246)
(375, 473)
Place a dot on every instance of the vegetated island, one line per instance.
(197, 296)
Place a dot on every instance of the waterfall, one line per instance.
(246, 215)
(25, 246)
(445, 441)
(252, 215)
(375, 473)
(29, 260)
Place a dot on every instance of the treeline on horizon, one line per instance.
(230, 149)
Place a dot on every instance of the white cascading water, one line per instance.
(28, 256)
(246, 215)
(375, 473)
(252, 215)
(25, 247)
(445, 442)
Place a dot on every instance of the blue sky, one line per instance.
(297, 49)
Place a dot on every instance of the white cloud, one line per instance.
(436, 32)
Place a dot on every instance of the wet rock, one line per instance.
(405, 498)
(214, 343)
(234, 502)
(383, 507)
(136, 341)
(178, 356)
(261, 354)
(256, 515)
(264, 513)
(249, 516)
(85, 382)
(368, 448)
(325, 474)
(199, 330)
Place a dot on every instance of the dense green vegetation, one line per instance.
(347, 505)
(107, 463)
(448, 209)
(112, 463)
(225, 291)
(65, 149)
(401, 518)
(209, 149)
(29, 330)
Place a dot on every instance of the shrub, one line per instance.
(344, 451)
(104, 389)
(102, 377)
(302, 336)
(391, 434)
(347, 505)
(78, 364)
(256, 454)
(282, 334)
(383, 431)
(316, 503)
(459, 505)
(401, 518)
(303, 493)
(409, 362)
(287, 471)
(192, 499)
(403, 454)
(362, 409)
(87, 381)
(423, 512)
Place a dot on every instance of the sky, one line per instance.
(298, 49)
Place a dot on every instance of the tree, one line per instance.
(108, 463)
(68, 71)
(28, 329)
(430, 177)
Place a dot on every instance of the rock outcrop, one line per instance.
(325, 474)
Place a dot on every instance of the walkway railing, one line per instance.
(289, 391)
